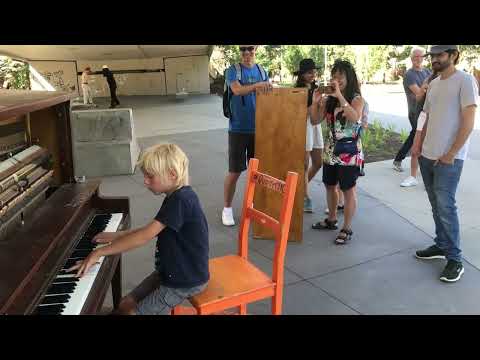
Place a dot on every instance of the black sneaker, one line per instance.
(452, 272)
(433, 252)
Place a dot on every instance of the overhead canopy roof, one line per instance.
(100, 52)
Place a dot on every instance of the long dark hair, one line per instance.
(301, 83)
(352, 88)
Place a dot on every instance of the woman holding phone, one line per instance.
(341, 107)
(314, 142)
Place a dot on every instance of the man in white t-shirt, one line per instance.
(450, 106)
(87, 90)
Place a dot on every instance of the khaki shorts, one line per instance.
(155, 299)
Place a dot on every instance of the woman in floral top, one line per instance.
(343, 156)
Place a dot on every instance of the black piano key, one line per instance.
(64, 272)
(61, 288)
(55, 299)
(49, 309)
(80, 253)
(67, 280)
(85, 245)
(70, 263)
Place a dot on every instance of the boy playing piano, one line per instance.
(181, 257)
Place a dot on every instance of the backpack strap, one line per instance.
(238, 70)
(262, 72)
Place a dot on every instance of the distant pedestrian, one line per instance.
(412, 84)
(112, 84)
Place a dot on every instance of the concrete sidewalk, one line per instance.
(375, 274)
(412, 204)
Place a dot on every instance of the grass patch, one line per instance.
(381, 143)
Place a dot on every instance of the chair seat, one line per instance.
(231, 276)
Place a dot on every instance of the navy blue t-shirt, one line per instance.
(243, 113)
(181, 257)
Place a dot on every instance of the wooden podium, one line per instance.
(280, 135)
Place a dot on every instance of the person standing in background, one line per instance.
(450, 105)
(412, 84)
(314, 140)
(243, 85)
(87, 90)
(112, 84)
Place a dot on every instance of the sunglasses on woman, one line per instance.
(245, 48)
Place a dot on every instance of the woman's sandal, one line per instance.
(325, 225)
(343, 237)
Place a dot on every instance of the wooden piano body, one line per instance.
(43, 230)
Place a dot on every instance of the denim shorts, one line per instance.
(155, 299)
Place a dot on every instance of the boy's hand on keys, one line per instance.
(104, 237)
(84, 265)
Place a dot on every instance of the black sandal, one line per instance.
(325, 225)
(343, 237)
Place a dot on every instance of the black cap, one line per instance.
(306, 65)
(438, 49)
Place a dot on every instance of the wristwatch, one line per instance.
(345, 105)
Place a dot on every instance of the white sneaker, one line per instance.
(409, 181)
(227, 217)
(397, 165)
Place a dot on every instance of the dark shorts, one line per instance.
(155, 299)
(345, 175)
(241, 147)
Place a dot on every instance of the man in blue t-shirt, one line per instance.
(241, 132)
(413, 84)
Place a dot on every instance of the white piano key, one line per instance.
(80, 294)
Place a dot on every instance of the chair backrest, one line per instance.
(281, 227)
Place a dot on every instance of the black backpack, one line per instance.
(227, 92)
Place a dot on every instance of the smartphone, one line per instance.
(326, 89)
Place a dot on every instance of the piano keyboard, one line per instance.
(67, 294)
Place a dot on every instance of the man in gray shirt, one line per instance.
(450, 106)
(412, 84)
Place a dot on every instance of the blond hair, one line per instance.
(164, 158)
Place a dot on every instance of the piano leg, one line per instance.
(117, 284)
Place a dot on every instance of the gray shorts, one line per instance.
(155, 299)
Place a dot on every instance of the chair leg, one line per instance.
(243, 309)
(277, 305)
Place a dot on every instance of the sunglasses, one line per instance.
(245, 48)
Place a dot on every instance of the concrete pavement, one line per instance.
(375, 274)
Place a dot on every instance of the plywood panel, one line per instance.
(280, 131)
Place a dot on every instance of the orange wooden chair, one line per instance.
(235, 281)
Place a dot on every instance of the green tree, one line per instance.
(292, 57)
(317, 53)
(377, 59)
(270, 57)
(231, 54)
(471, 53)
(19, 72)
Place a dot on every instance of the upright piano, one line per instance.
(47, 217)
